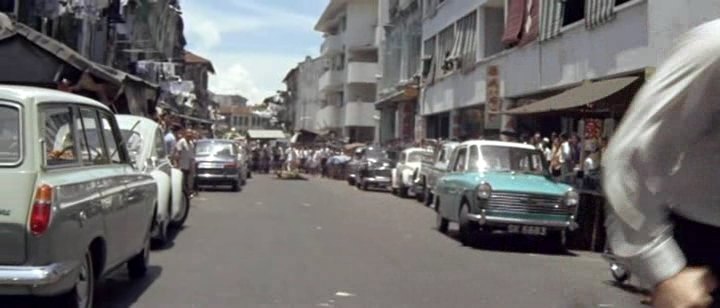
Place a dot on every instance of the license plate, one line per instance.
(529, 230)
(210, 165)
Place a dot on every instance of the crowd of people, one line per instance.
(310, 159)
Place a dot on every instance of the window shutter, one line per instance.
(551, 18)
(598, 12)
(514, 23)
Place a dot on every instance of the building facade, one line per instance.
(556, 66)
(349, 81)
(197, 69)
(304, 101)
(400, 58)
(241, 119)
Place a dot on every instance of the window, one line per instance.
(446, 41)
(441, 155)
(10, 138)
(474, 160)
(343, 24)
(111, 139)
(92, 149)
(498, 158)
(134, 143)
(58, 134)
(159, 145)
(460, 161)
(465, 47)
(574, 11)
(429, 58)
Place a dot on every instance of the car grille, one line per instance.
(382, 173)
(211, 171)
(526, 203)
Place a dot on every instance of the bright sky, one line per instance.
(252, 43)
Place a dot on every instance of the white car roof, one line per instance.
(499, 143)
(128, 121)
(410, 150)
(22, 94)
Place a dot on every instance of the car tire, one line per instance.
(428, 196)
(249, 175)
(467, 229)
(185, 210)
(83, 293)
(555, 240)
(162, 237)
(351, 182)
(137, 266)
(235, 186)
(364, 186)
(403, 192)
(441, 222)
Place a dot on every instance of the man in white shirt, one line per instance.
(184, 157)
(661, 175)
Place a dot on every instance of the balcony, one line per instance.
(331, 80)
(333, 44)
(359, 114)
(362, 72)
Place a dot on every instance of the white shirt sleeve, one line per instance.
(669, 114)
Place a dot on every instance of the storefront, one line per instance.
(471, 122)
(438, 126)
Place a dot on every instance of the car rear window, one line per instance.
(215, 149)
(9, 135)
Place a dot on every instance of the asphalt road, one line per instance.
(322, 243)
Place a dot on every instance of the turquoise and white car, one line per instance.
(503, 186)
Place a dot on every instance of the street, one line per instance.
(322, 243)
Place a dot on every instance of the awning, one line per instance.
(576, 97)
(195, 119)
(266, 134)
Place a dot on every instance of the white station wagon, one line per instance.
(74, 206)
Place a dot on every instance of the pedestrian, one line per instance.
(659, 172)
(183, 156)
(556, 160)
(171, 138)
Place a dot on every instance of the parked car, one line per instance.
(408, 163)
(144, 139)
(493, 185)
(219, 163)
(74, 207)
(354, 166)
(376, 171)
(431, 169)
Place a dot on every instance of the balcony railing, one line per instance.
(362, 72)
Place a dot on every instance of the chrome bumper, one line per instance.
(34, 276)
(209, 176)
(484, 219)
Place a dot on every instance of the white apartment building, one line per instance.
(349, 82)
(303, 94)
(542, 65)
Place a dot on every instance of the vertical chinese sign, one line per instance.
(494, 100)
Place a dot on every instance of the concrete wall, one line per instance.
(359, 114)
(670, 19)
(309, 98)
(578, 54)
(361, 22)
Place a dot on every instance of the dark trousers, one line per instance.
(186, 181)
(701, 245)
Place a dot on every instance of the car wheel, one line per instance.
(440, 222)
(351, 182)
(83, 293)
(468, 229)
(249, 175)
(235, 186)
(161, 239)
(184, 212)
(138, 265)
(364, 186)
(428, 196)
(403, 192)
(556, 240)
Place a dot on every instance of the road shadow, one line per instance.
(503, 242)
(117, 291)
(218, 188)
(627, 287)
(172, 235)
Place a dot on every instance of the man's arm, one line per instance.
(666, 118)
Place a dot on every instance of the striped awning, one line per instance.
(551, 18)
(598, 12)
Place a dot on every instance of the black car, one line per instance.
(375, 170)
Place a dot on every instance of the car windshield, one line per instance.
(415, 157)
(215, 149)
(9, 135)
(133, 141)
(502, 158)
(376, 154)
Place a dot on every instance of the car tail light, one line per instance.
(231, 166)
(41, 211)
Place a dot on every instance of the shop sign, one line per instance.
(494, 99)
